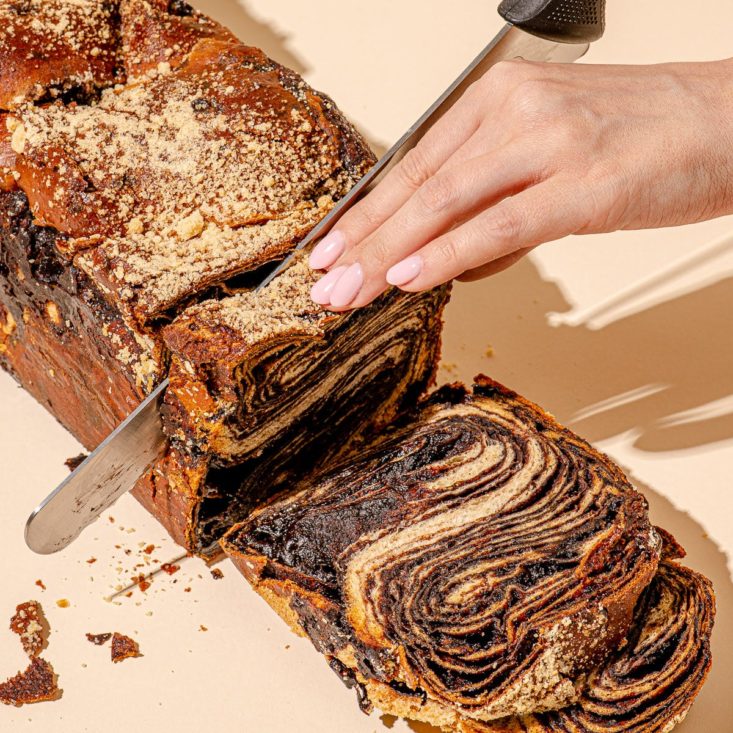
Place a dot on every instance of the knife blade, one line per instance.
(127, 453)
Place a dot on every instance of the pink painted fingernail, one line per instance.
(321, 291)
(405, 271)
(348, 286)
(327, 251)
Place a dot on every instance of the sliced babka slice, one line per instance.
(651, 684)
(475, 562)
(267, 386)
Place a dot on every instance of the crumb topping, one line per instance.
(50, 46)
(283, 306)
(187, 179)
(221, 140)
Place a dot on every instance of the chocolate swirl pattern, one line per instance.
(474, 563)
(295, 383)
(650, 685)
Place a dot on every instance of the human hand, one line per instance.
(531, 153)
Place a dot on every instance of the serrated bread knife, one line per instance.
(536, 30)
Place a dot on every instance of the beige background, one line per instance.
(648, 377)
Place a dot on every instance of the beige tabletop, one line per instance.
(627, 338)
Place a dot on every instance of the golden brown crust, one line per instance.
(188, 179)
(51, 47)
(159, 32)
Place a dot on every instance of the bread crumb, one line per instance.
(123, 647)
(191, 226)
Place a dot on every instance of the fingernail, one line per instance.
(321, 291)
(327, 251)
(405, 271)
(348, 286)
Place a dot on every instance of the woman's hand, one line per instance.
(531, 153)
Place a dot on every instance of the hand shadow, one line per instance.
(653, 372)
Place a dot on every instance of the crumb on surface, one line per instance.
(31, 626)
(73, 463)
(37, 683)
(216, 574)
(99, 639)
(123, 647)
(170, 568)
(63, 603)
(40, 584)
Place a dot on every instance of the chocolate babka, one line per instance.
(460, 559)
(152, 168)
(480, 561)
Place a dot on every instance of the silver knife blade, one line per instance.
(127, 453)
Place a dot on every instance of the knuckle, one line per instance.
(379, 254)
(437, 193)
(364, 217)
(448, 249)
(507, 74)
(503, 226)
(538, 103)
(414, 168)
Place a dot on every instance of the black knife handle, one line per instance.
(564, 21)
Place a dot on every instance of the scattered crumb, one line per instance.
(31, 626)
(187, 589)
(63, 603)
(36, 684)
(169, 568)
(123, 647)
(203, 628)
(149, 549)
(111, 520)
(216, 574)
(40, 584)
(73, 463)
(99, 639)
(142, 583)
(489, 351)
(92, 560)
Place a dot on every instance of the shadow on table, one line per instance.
(255, 32)
(657, 372)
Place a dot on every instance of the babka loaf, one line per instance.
(476, 562)
(152, 168)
